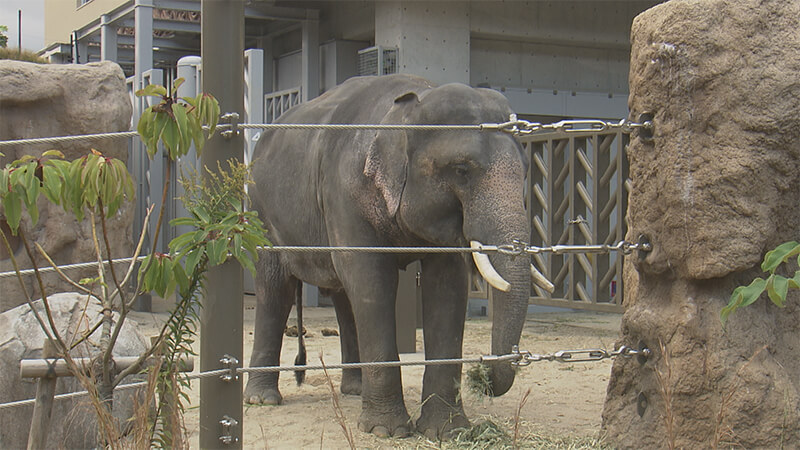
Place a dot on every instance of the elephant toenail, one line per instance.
(401, 432)
(381, 431)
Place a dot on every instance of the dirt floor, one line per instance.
(562, 409)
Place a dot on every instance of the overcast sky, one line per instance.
(32, 22)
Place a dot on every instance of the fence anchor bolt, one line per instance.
(228, 424)
(233, 120)
(644, 247)
(231, 363)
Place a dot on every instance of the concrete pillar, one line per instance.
(143, 42)
(310, 64)
(432, 38)
(108, 39)
(189, 70)
(269, 64)
(222, 316)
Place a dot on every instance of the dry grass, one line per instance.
(24, 55)
(337, 408)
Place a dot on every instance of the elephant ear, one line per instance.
(387, 157)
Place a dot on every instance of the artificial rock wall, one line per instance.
(40, 100)
(714, 189)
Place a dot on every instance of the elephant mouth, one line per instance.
(490, 274)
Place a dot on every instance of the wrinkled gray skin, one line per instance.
(391, 188)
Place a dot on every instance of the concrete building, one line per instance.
(550, 58)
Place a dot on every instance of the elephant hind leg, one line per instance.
(300, 359)
(275, 294)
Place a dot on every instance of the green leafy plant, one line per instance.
(176, 122)
(222, 228)
(3, 37)
(777, 286)
(95, 186)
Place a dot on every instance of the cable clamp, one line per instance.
(232, 119)
(231, 363)
(228, 425)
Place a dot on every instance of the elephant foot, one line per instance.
(259, 394)
(386, 425)
(439, 423)
(351, 382)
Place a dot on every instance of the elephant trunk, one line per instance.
(508, 311)
(510, 300)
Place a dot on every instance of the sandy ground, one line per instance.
(564, 400)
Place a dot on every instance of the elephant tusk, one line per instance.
(541, 280)
(487, 270)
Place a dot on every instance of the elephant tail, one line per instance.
(300, 359)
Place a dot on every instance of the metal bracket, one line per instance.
(647, 129)
(233, 120)
(230, 363)
(228, 425)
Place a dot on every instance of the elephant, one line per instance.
(389, 187)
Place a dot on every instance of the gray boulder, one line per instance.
(72, 424)
(40, 100)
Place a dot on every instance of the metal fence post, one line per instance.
(222, 50)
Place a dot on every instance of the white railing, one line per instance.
(277, 103)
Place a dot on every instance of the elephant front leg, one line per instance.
(371, 284)
(444, 307)
(275, 293)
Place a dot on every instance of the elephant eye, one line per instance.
(461, 170)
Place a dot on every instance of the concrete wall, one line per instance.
(432, 38)
(576, 46)
(338, 61)
(62, 17)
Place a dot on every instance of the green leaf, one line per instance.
(145, 125)
(743, 296)
(183, 221)
(777, 288)
(236, 247)
(153, 90)
(176, 84)
(783, 252)
(51, 183)
(52, 154)
(754, 290)
(182, 122)
(171, 137)
(192, 258)
(181, 279)
(794, 282)
(4, 181)
(247, 263)
(217, 251)
(202, 213)
(13, 210)
(33, 185)
(181, 241)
